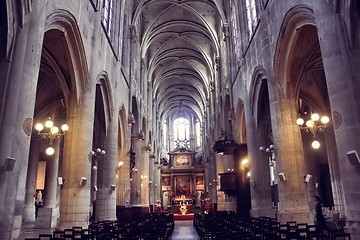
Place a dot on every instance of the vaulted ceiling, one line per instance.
(179, 43)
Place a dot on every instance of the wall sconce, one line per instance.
(307, 178)
(112, 187)
(51, 132)
(96, 188)
(83, 181)
(121, 163)
(282, 177)
(9, 165)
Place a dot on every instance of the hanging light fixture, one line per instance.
(313, 125)
(50, 132)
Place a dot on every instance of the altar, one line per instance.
(182, 181)
(183, 206)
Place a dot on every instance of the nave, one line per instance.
(223, 225)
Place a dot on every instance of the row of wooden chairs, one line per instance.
(157, 226)
(228, 225)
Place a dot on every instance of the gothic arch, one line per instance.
(296, 18)
(63, 21)
(257, 79)
(104, 83)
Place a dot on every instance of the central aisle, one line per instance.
(184, 230)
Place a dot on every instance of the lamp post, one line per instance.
(50, 131)
(313, 125)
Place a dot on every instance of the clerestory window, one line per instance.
(235, 30)
(252, 17)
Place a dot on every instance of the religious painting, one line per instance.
(166, 181)
(183, 186)
(199, 180)
(182, 160)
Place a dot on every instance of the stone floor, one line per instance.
(183, 230)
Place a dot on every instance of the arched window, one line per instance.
(235, 30)
(110, 20)
(252, 17)
(182, 133)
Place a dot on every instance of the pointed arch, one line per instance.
(295, 18)
(257, 79)
(105, 87)
(65, 22)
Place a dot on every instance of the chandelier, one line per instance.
(50, 131)
(313, 125)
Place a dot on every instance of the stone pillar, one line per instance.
(261, 202)
(123, 183)
(75, 199)
(136, 172)
(156, 183)
(29, 209)
(342, 85)
(49, 213)
(18, 111)
(144, 186)
(152, 176)
(52, 166)
(225, 163)
(106, 195)
(293, 200)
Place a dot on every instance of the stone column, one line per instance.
(18, 111)
(75, 198)
(49, 213)
(52, 166)
(261, 202)
(136, 172)
(123, 182)
(156, 183)
(152, 172)
(293, 200)
(29, 208)
(144, 186)
(342, 85)
(106, 195)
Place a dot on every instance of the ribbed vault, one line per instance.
(179, 44)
